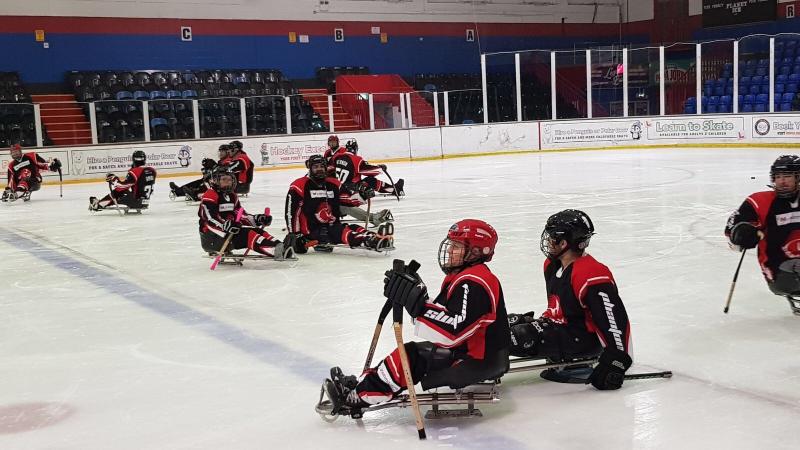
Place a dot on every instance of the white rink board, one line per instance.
(433, 142)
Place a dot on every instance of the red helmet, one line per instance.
(333, 137)
(479, 239)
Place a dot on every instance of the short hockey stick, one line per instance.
(394, 191)
(60, 183)
(227, 242)
(366, 220)
(401, 350)
(644, 376)
(398, 266)
(733, 283)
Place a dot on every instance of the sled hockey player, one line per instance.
(313, 214)
(195, 189)
(333, 148)
(24, 175)
(134, 192)
(218, 210)
(585, 317)
(770, 221)
(466, 324)
(240, 165)
(352, 168)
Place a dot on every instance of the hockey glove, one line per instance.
(231, 227)
(55, 165)
(365, 191)
(209, 164)
(111, 178)
(745, 235)
(610, 370)
(262, 220)
(515, 319)
(407, 290)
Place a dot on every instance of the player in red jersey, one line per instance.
(770, 221)
(466, 325)
(24, 174)
(218, 210)
(313, 214)
(585, 316)
(352, 168)
(241, 165)
(134, 192)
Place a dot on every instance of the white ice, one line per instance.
(115, 334)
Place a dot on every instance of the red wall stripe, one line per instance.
(218, 27)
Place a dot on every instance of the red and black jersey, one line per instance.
(241, 165)
(329, 152)
(584, 296)
(779, 220)
(310, 204)
(216, 208)
(350, 168)
(139, 180)
(28, 166)
(469, 314)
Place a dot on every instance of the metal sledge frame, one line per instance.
(518, 365)
(231, 259)
(486, 393)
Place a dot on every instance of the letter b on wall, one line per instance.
(338, 34)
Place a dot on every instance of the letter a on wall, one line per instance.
(338, 34)
(470, 35)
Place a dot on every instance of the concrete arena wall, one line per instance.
(272, 152)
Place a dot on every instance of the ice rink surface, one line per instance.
(115, 334)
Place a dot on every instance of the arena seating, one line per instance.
(17, 124)
(754, 81)
(118, 95)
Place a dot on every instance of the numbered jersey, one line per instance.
(350, 168)
(311, 204)
(140, 181)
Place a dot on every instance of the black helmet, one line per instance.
(352, 146)
(218, 176)
(785, 164)
(224, 151)
(236, 146)
(569, 225)
(314, 160)
(139, 158)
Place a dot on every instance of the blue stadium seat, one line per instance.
(779, 88)
(726, 100)
(749, 99)
(762, 71)
(760, 107)
(786, 61)
(793, 78)
(157, 94)
(729, 90)
(141, 95)
(173, 94)
(755, 89)
(719, 90)
(690, 109)
(762, 98)
(747, 107)
(710, 109)
(785, 70)
(791, 87)
(124, 95)
(787, 97)
(750, 71)
(750, 63)
(708, 91)
(189, 94)
(785, 106)
(744, 81)
(756, 79)
(782, 78)
(763, 63)
(723, 108)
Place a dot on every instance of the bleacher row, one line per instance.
(754, 81)
(117, 96)
(17, 122)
